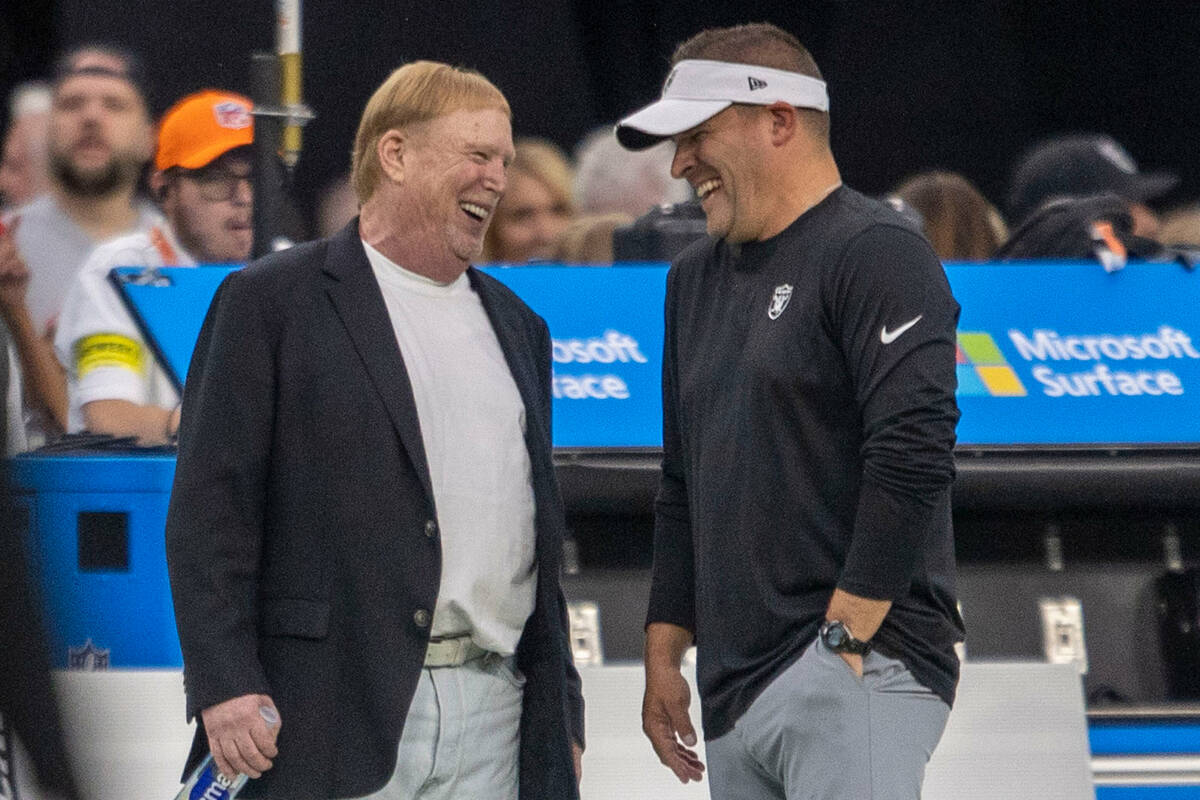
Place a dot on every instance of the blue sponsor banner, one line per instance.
(606, 323)
(606, 327)
(1049, 353)
(1064, 353)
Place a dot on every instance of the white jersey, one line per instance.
(97, 340)
(54, 248)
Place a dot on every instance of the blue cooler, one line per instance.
(96, 538)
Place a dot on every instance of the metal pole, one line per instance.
(287, 46)
(269, 195)
(279, 115)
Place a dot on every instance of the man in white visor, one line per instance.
(802, 528)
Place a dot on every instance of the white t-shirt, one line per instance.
(472, 423)
(98, 341)
(54, 248)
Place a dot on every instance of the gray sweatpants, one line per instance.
(818, 732)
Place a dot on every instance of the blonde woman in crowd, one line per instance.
(536, 206)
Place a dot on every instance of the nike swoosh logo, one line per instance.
(887, 337)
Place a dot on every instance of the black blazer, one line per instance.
(298, 534)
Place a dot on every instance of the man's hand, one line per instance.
(854, 661)
(239, 737)
(14, 274)
(577, 758)
(862, 616)
(666, 723)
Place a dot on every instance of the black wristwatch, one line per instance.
(837, 637)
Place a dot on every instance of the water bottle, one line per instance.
(207, 783)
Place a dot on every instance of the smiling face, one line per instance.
(723, 159)
(454, 173)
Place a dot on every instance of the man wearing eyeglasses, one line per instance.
(202, 181)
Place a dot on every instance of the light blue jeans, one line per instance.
(461, 734)
(819, 732)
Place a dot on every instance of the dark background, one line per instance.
(961, 85)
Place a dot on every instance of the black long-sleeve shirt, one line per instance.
(808, 434)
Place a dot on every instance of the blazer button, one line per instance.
(421, 617)
(430, 528)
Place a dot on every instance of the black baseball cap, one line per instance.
(1080, 165)
(105, 60)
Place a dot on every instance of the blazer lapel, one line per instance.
(519, 353)
(517, 349)
(360, 306)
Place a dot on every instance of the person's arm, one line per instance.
(897, 322)
(45, 380)
(665, 719)
(108, 364)
(670, 618)
(240, 739)
(150, 424)
(862, 616)
(43, 377)
(215, 523)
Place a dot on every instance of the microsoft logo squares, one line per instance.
(982, 369)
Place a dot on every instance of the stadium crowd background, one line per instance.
(959, 86)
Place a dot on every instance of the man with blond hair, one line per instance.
(364, 533)
(802, 532)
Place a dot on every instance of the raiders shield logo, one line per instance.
(780, 300)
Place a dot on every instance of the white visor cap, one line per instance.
(697, 89)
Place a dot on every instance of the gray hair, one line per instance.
(611, 179)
